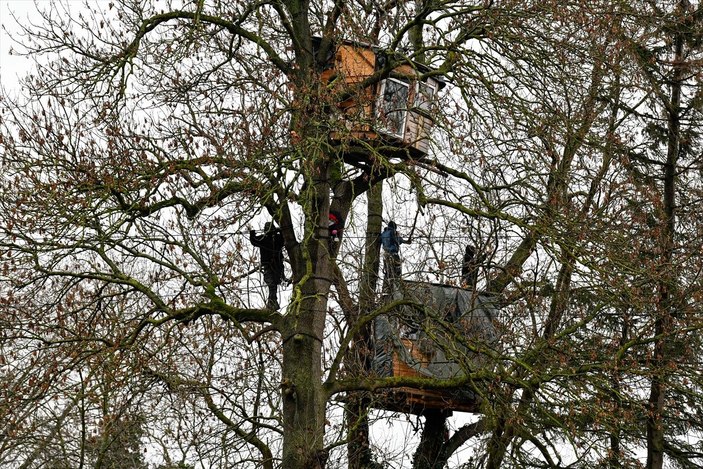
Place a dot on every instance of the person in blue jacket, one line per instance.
(391, 241)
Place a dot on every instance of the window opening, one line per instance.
(424, 96)
(393, 106)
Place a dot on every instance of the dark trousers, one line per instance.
(272, 279)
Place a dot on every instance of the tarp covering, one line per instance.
(439, 333)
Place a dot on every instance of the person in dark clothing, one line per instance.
(270, 244)
(469, 267)
(391, 241)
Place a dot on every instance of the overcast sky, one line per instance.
(12, 67)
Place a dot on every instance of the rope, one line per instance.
(246, 233)
(412, 230)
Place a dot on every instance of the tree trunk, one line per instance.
(301, 387)
(358, 448)
(303, 402)
(302, 392)
(664, 323)
(430, 452)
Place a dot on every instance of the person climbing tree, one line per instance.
(391, 241)
(270, 244)
(335, 225)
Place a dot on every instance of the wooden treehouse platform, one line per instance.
(417, 401)
(410, 342)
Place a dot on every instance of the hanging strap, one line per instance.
(412, 230)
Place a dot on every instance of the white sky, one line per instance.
(13, 67)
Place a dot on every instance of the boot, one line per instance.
(272, 302)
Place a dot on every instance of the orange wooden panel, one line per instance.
(355, 63)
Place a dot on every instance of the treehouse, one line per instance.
(393, 115)
(439, 332)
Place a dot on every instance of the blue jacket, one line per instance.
(390, 240)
